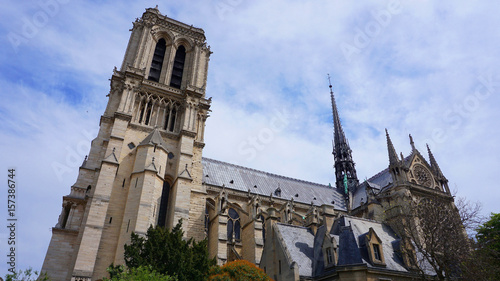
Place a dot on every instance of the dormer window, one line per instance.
(374, 247)
(330, 251)
(329, 255)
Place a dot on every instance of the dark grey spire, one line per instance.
(344, 165)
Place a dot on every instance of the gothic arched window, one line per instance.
(178, 68)
(162, 215)
(157, 62)
(207, 221)
(233, 225)
(261, 218)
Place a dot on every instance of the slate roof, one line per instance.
(360, 227)
(220, 173)
(154, 138)
(299, 243)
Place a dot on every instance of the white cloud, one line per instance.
(418, 74)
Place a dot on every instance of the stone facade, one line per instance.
(145, 168)
(148, 149)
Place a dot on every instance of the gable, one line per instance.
(421, 173)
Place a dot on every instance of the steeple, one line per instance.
(345, 172)
(437, 171)
(393, 155)
(396, 165)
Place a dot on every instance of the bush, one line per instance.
(240, 270)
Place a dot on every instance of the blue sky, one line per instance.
(429, 68)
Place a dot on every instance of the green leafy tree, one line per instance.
(240, 270)
(168, 253)
(27, 275)
(141, 273)
(484, 262)
(488, 234)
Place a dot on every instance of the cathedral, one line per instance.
(146, 168)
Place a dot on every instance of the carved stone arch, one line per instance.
(184, 41)
(158, 33)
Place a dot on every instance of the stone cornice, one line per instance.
(123, 116)
(199, 144)
(188, 133)
(153, 17)
(64, 230)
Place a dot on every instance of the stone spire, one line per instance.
(437, 171)
(393, 155)
(412, 143)
(344, 165)
(396, 165)
(434, 164)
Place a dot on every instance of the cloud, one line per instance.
(429, 69)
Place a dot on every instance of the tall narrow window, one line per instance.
(261, 217)
(67, 209)
(162, 216)
(157, 62)
(376, 252)
(178, 69)
(170, 114)
(172, 121)
(207, 221)
(329, 255)
(148, 113)
(233, 225)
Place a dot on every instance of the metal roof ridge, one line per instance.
(378, 174)
(296, 226)
(267, 173)
(362, 219)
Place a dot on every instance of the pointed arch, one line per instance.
(233, 225)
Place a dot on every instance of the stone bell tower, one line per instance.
(144, 167)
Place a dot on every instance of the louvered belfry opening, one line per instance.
(178, 69)
(157, 63)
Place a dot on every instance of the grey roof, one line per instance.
(299, 242)
(360, 227)
(382, 179)
(359, 196)
(349, 253)
(154, 138)
(236, 177)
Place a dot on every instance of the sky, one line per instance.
(425, 68)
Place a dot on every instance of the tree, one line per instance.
(488, 234)
(141, 273)
(433, 232)
(27, 275)
(168, 253)
(484, 263)
(239, 270)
